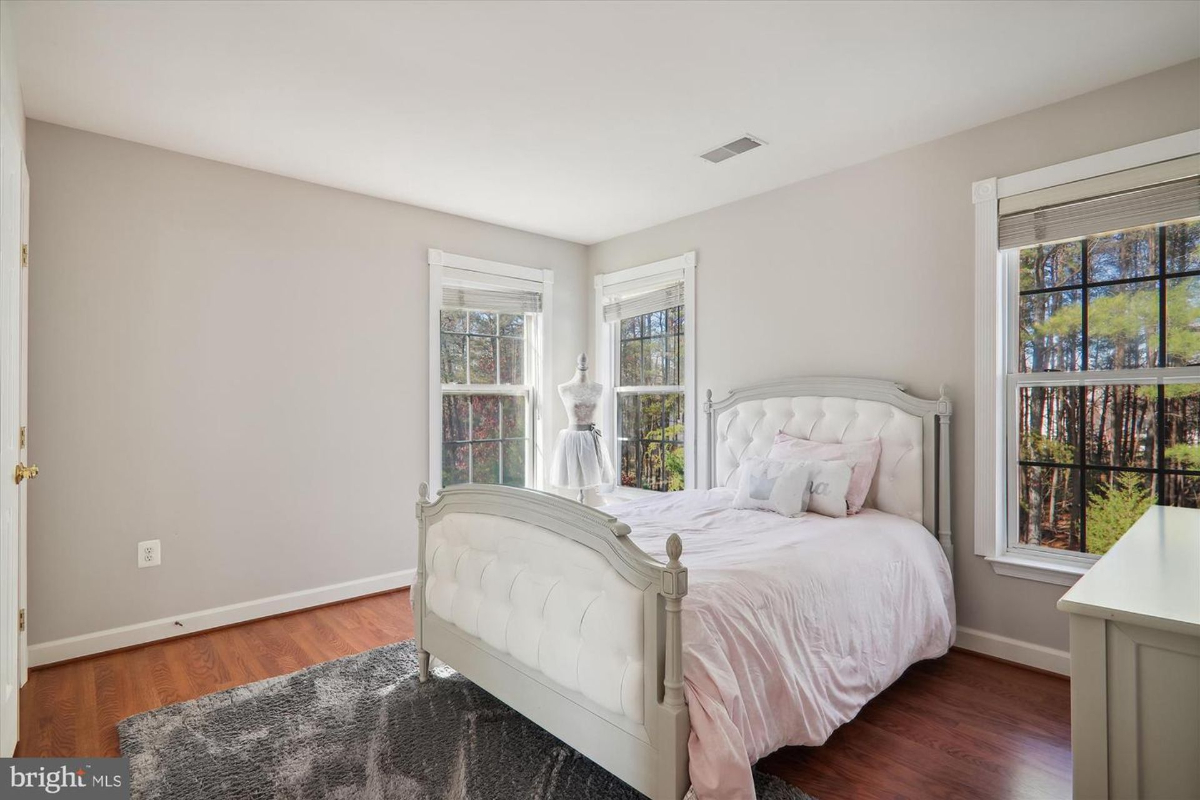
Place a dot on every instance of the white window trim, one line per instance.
(991, 309)
(500, 275)
(606, 361)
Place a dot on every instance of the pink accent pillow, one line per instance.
(863, 458)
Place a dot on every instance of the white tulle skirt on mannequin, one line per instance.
(581, 460)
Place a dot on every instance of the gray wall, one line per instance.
(235, 363)
(868, 271)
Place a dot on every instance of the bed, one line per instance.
(584, 620)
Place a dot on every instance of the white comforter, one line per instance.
(790, 625)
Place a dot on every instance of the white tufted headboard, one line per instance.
(913, 478)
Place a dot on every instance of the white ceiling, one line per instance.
(578, 120)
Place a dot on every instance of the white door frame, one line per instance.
(23, 441)
(10, 358)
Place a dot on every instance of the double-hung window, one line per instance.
(488, 323)
(646, 317)
(1099, 343)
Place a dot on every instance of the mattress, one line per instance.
(790, 625)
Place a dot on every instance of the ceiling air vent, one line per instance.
(732, 149)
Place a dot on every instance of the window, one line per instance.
(1087, 354)
(485, 399)
(1106, 397)
(486, 371)
(650, 399)
(646, 315)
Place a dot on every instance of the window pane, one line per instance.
(627, 408)
(512, 325)
(1123, 326)
(655, 323)
(629, 462)
(454, 320)
(631, 363)
(454, 464)
(675, 468)
(1115, 501)
(1051, 334)
(483, 322)
(631, 328)
(1183, 321)
(651, 420)
(1181, 490)
(653, 361)
(512, 410)
(671, 371)
(1182, 426)
(483, 359)
(1124, 254)
(1048, 424)
(1183, 246)
(673, 404)
(1121, 426)
(454, 358)
(653, 467)
(1049, 265)
(485, 462)
(1049, 511)
(512, 361)
(675, 320)
(455, 418)
(514, 463)
(485, 417)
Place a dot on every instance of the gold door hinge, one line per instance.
(22, 437)
(24, 255)
(21, 620)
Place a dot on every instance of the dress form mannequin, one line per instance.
(580, 459)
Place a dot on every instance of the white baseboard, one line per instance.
(169, 627)
(1015, 650)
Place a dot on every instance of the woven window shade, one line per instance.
(644, 303)
(1147, 195)
(504, 302)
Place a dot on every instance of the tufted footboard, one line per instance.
(549, 606)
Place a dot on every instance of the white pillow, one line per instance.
(778, 486)
(829, 483)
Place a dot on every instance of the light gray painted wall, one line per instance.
(235, 363)
(869, 272)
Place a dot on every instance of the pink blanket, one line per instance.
(790, 625)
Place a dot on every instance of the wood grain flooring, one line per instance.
(962, 726)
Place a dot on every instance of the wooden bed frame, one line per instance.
(652, 756)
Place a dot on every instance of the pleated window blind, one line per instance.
(635, 305)
(1161, 192)
(503, 301)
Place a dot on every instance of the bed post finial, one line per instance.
(674, 550)
(423, 492)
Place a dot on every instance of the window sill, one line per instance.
(1036, 569)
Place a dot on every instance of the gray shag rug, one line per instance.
(363, 727)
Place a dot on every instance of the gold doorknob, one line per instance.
(24, 472)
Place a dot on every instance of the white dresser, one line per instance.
(1135, 663)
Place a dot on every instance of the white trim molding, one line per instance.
(88, 644)
(479, 272)
(683, 268)
(993, 360)
(1014, 650)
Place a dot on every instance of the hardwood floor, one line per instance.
(959, 727)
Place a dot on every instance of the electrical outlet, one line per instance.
(149, 554)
